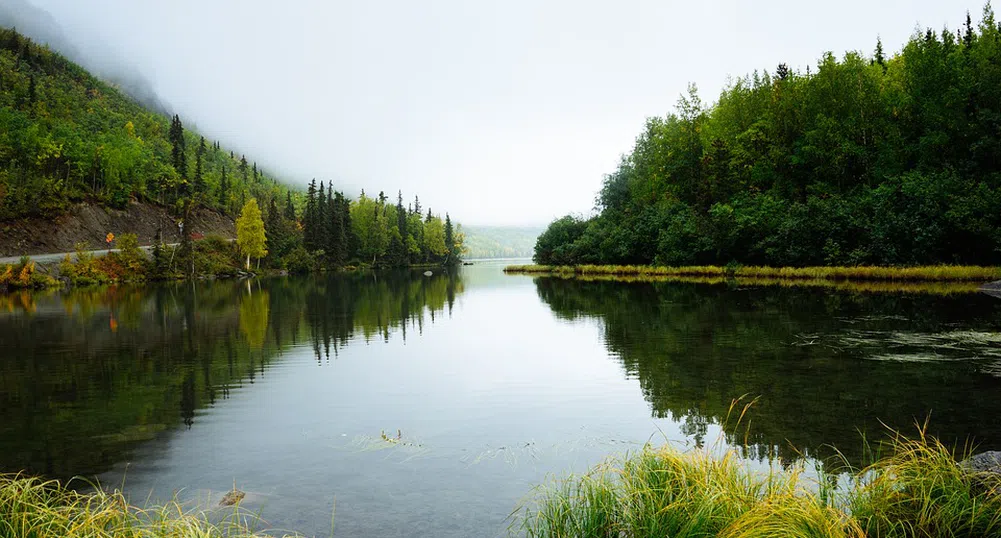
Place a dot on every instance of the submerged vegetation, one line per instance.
(917, 490)
(36, 507)
(864, 160)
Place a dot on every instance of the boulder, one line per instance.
(232, 497)
(985, 462)
(993, 289)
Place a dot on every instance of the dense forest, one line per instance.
(67, 137)
(500, 241)
(881, 159)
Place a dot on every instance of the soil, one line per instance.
(91, 223)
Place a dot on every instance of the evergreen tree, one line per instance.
(176, 137)
(451, 255)
(199, 181)
(289, 208)
(309, 218)
(224, 190)
(320, 219)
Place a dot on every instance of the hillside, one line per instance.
(67, 137)
(867, 159)
(500, 241)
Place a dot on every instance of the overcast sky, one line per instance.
(497, 112)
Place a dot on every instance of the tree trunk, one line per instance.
(248, 262)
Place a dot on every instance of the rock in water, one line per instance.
(993, 289)
(428, 273)
(232, 497)
(985, 462)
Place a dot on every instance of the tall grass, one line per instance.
(36, 508)
(932, 273)
(917, 490)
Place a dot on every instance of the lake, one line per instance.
(406, 405)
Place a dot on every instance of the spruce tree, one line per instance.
(320, 222)
(309, 218)
(289, 208)
(450, 254)
(224, 190)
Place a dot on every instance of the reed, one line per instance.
(931, 273)
(917, 490)
(33, 507)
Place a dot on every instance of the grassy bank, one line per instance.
(917, 490)
(31, 507)
(931, 273)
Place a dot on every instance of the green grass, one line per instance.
(932, 273)
(35, 508)
(917, 490)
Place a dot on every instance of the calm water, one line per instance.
(431, 405)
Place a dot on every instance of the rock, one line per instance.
(428, 273)
(993, 289)
(232, 497)
(985, 462)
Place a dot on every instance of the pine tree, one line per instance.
(320, 219)
(224, 190)
(289, 208)
(309, 218)
(880, 58)
(177, 154)
(199, 181)
(450, 254)
(968, 32)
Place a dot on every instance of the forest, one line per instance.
(868, 159)
(67, 137)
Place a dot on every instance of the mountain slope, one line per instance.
(500, 241)
(67, 136)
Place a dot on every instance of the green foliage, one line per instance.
(66, 136)
(882, 161)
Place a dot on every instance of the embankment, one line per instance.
(90, 223)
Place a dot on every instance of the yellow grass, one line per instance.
(931, 273)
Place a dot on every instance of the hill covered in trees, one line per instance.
(68, 137)
(500, 241)
(881, 159)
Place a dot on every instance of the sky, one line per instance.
(500, 113)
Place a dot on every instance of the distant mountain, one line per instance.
(96, 56)
(501, 241)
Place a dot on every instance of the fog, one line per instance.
(497, 112)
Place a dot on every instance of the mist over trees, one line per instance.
(863, 160)
(67, 137)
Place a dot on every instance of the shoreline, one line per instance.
(930, 273)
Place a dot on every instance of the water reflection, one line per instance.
(828, 366)
(89, 374)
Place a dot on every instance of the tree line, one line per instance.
(879, 159)
(66, 137)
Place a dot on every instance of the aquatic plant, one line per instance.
(932, 273)
(915, 490)
(32, 507)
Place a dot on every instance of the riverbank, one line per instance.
(918, 489)
(36, 507)
(932, 273)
